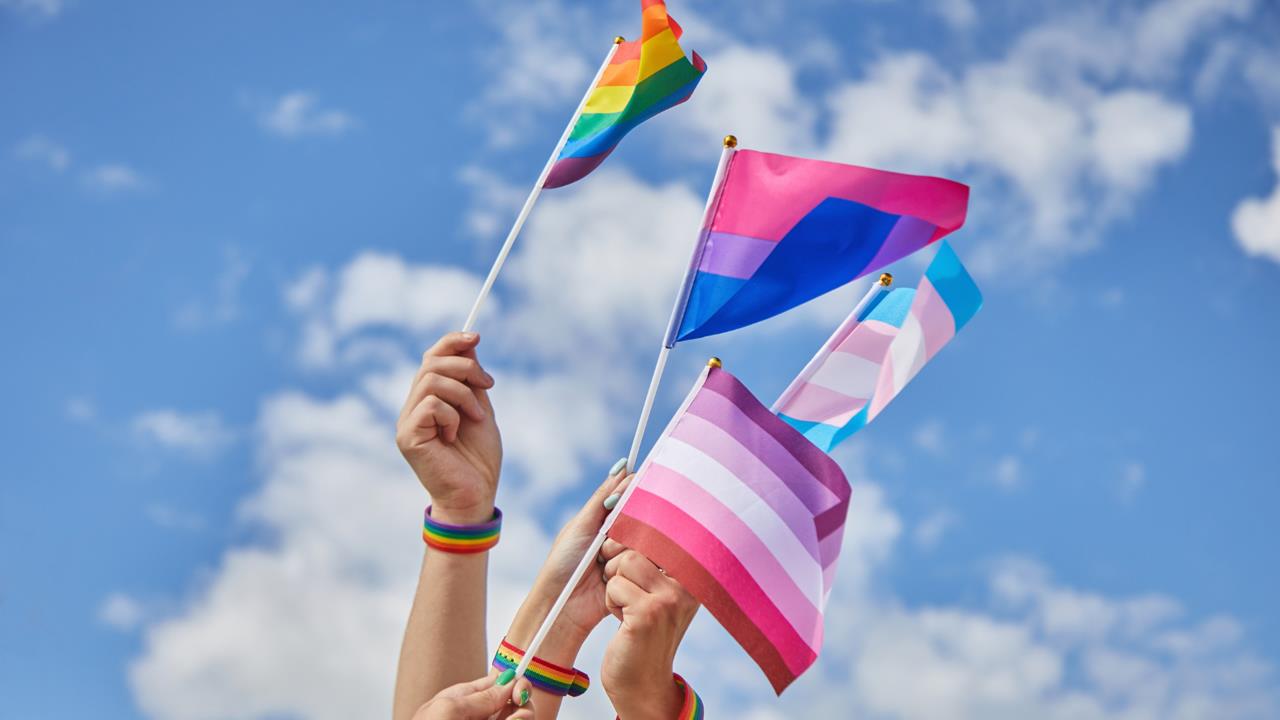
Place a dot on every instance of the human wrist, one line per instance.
(562, 643)
(455, 514)
(660, 699)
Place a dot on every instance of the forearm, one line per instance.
(560, 647)
(444, 640)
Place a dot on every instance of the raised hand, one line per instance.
(655, 612)
(448, 434)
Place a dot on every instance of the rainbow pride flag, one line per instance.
(748, 516)
(870, 359)
(645, 77)
(785, 230)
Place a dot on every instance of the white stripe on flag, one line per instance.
(721, 484)
(847, 374)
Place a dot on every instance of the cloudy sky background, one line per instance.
(229, 230)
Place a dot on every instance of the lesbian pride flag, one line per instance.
(868, 361)
(645, 77)
(784, 230)
(748, 515)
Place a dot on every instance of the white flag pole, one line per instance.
(682, 299)
(677, 313)
(533, 194)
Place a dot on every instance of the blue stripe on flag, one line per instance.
(954, 285)
(832, 245)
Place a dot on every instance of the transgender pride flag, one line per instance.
(868, 360)
(784, 230)
(748, 515)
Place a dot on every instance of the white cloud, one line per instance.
(1256, 221)
(113, 178)
(1133, 477)
(495, 201)
(200, 434)
(959, 14)
(121, 612)
(224, 306)
(1167, 29)
(751, 93)
(41, 149)
(930, 531)
(40, 9)
(172, 518)
(538, 64)
(1074, 158)
(298, 114)
(931, 437)
(82, 409)
(1008, 472)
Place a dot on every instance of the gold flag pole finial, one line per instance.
(886, 279)
(618, 40)
(715, 363)
(731, 141)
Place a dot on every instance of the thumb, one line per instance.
(483, 703)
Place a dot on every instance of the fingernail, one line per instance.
(468, 336)
(507, 676)
(524, 697)
(618, 466)
(612, 501)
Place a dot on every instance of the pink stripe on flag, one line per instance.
(727, 570)
(765, 195)
(869, 340)
(818, 404)
(712, 441)
(735, 256)
(722, 411)
(751, 550)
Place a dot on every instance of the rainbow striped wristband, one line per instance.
(542, 674)
(461, 539)
(692, 707)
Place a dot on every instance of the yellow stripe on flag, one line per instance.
(658, 52)
(609, 99)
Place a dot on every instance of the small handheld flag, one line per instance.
(643, 78)
(876, 352)
(785, 230)
(636, 81)
(747, 515)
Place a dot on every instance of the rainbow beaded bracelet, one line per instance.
(543, 675)
(462, 539)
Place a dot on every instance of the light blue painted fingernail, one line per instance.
(618, 466)
(612, 501)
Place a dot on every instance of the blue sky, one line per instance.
(228, 230)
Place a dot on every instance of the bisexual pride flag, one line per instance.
(784, 230)
(869, 359)
(643, 78)
(748, 516)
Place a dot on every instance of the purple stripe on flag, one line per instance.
(818, 464)
(735, 256)
(908, 235)
(714, 442)
(720, 410)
